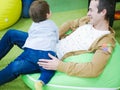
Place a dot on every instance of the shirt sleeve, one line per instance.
(95, 66)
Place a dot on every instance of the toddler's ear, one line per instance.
(48, 15)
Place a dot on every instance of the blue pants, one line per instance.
(26, 63)
(11, 38)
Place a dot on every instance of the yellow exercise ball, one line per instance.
(10, 11)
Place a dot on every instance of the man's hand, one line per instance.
(49, 64)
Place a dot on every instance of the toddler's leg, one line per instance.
(46, 75)
(38, 85)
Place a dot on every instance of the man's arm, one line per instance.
(93, 68)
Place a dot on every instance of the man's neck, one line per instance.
(102, 25)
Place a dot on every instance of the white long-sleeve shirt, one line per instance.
(42, 36)
(81, 39)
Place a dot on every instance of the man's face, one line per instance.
(93, 14)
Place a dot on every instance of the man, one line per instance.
(99, 13)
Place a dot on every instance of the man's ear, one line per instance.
(104, 11)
